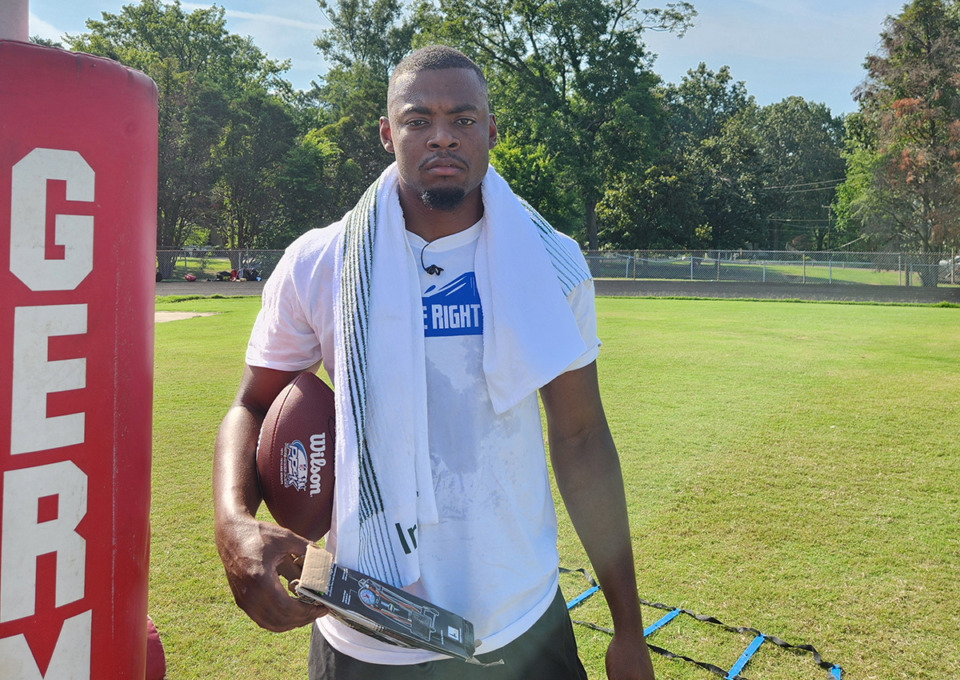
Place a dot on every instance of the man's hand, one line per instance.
(628, 659)
(255, 555)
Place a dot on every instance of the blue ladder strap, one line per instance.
(745, 657)
(657, 625)
(581, 597)
(834, 670)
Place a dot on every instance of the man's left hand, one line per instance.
(628, 659)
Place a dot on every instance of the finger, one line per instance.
(289, 569)
(274, 609)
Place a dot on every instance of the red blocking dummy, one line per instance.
(78, 181)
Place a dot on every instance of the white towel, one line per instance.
(384, 491)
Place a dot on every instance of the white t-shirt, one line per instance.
(492, 557)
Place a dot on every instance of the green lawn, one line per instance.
(201, 267)
(790, 467)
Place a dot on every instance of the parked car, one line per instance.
(950, 270)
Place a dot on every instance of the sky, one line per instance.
(779, 48)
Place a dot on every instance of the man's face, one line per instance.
(440, 129)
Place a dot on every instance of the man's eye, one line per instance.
(418, 122)
(466, 122)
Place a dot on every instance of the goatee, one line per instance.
(445, 198)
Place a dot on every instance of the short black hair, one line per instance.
(436, 58)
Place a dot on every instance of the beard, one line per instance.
(444, 198)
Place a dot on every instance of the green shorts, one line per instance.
(548, 651)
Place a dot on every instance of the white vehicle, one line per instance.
(950, 269)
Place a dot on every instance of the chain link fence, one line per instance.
(764, 266)
(207, 264)
(749, 266)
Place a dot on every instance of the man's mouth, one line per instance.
(443, 167)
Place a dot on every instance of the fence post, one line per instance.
(803, 258)
(899, 269)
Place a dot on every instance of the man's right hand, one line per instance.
(255, 554)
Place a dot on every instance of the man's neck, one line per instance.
(431, 224)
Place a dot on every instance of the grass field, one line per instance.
(790, 467)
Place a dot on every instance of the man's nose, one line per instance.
(444, 137)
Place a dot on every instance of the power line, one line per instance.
(806, 191)
(789, 219)
(807, 184)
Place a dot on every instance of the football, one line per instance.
(295, 457)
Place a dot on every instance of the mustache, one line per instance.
(446, 156)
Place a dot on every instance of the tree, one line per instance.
(802, 148)
(659, 210)
(714, 147)
(702, 104)
(199, 69)
(572, 75)
(249, 156)
(534, 173)
(366, 39)
(315, 182)
(905, 185)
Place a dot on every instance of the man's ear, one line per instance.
(493, 131)
(386, 134)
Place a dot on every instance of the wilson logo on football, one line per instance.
(318, 453)
(293, 465)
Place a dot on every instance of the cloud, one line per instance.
(44, 29)
(258, 17)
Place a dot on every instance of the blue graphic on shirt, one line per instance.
(454, 309)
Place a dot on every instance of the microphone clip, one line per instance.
(433, 269)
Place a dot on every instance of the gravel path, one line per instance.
(648, 288)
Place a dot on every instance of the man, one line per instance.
(440, 305)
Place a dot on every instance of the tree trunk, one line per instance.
(165, 263)
(929, 270)
(591, 215)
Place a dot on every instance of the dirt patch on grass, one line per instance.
(162, 317)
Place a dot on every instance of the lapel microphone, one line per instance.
(432, 269)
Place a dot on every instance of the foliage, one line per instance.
(904, 176)
(204, 76)
(702, 105)
(46, 42)
(802, 148)
(588, 134)
(316, 180)
(570, 74)
(534, 173)
(715, 151)
(658, 211)
(367, 38)
(731, 174)
(249, 156)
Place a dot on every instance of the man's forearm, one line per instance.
(588, 475)
(235, 487)
(591, 484)
(253, 552)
